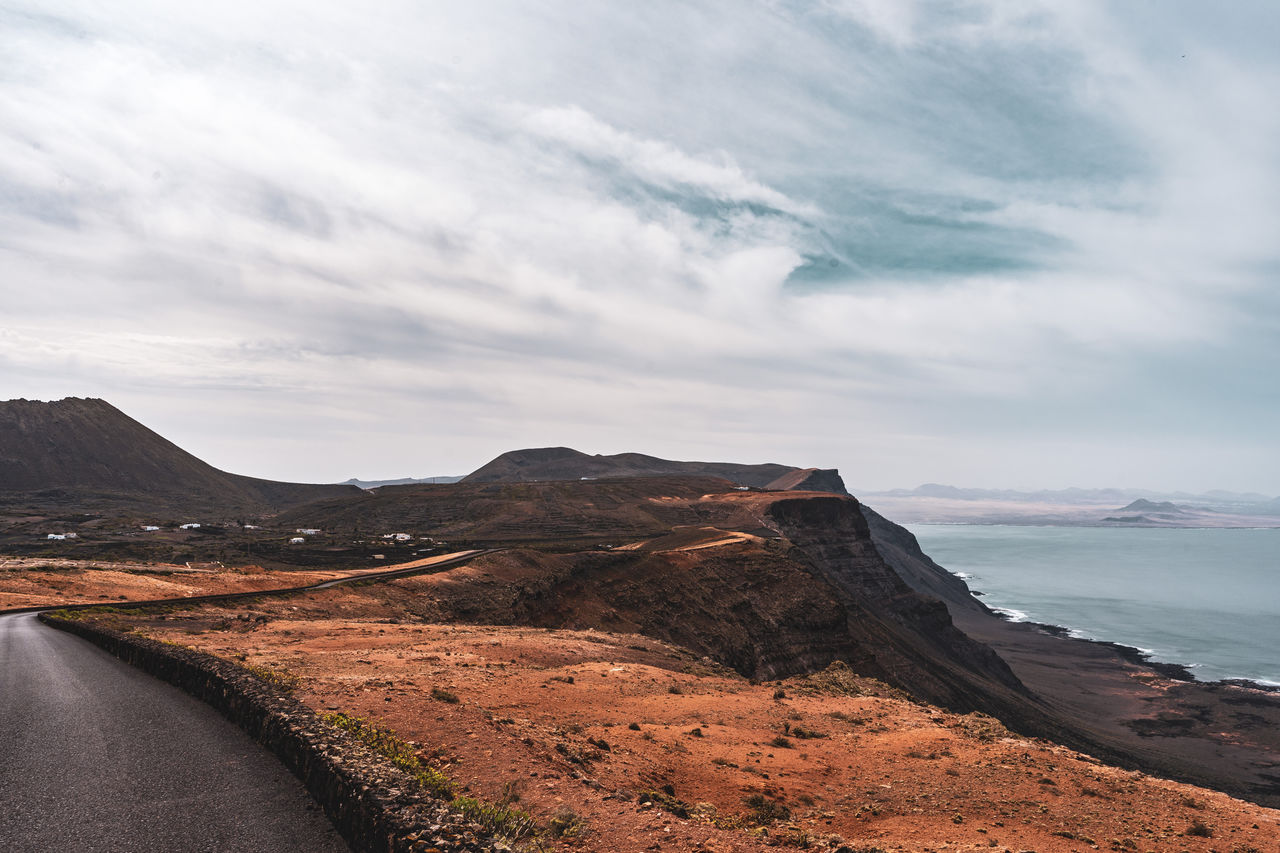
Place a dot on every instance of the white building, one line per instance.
(190, 525)
(57, 536)
(150, 527)
(308, 531)
(297, 540)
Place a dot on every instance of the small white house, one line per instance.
(57, 536)
(297, 540)
(190, 525)
(251, 527)
(73, 535)
(150, 527)
(308, 531)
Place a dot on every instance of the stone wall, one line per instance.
(376, 807)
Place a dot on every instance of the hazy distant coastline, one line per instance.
(938, 504)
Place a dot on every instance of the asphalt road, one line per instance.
(98, 756)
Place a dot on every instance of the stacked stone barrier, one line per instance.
(375, 806)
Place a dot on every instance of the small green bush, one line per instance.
(765, 811)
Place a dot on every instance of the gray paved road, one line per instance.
(98, 756)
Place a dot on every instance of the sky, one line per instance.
(999, 244)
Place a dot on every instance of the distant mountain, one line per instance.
(1216, 498)
(87, 453)
(563, 463)
(1144, 505)
(937, 490)
(403, 481)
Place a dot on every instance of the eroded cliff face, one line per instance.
(818, 591)
(902, 551)
(911, 635)
(748, 606)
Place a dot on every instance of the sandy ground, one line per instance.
(587, 722)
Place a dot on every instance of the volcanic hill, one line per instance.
(87, 455)
(564, 463)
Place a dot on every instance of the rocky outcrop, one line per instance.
(810, 480)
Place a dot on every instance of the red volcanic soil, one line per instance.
(28, 582)
(655, 748)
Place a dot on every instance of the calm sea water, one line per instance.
(1206, 598)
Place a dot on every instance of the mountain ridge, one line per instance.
(564, 463)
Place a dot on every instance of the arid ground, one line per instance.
(642, 745)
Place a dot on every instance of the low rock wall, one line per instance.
(376, 807)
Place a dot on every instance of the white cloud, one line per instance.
(654, 161)
(585, 222)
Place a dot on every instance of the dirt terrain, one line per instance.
(38, 582)
(651, 747)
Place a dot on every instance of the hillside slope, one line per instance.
(88, 454)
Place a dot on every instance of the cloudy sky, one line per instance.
(999, 243)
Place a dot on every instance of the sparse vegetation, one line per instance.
(442, 695)
(502, 819)
(666, 800)
(282, 679)
(397, 751)
(505, 820)
(765, 811)
(1199, 829)
(565, 823)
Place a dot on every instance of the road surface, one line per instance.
(98, 756)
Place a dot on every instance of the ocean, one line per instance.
(1209, 599)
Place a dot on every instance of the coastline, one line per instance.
(1143, 714)
(1196, 605)
(1132, 654)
